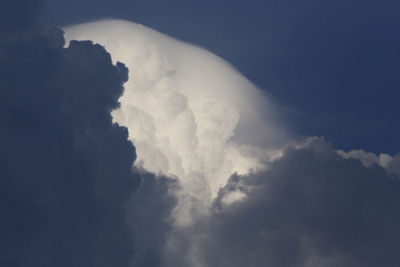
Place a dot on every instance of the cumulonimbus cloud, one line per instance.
(311, 208)
(65, 167)
(192, 116)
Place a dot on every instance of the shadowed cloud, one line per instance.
(65, 167)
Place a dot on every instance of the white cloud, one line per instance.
(288, 203)
(190, 114)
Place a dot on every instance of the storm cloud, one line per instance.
(244, 191)
(65, 167)
(301, 203)
(311, 207)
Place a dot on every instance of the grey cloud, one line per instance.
(66, 181)
(149, 216)
(65, 167)
(393, 166)
(390, 163)
(311, 207)
(19, 15)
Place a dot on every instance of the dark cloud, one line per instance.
(394, 165)
(17, 15)
(65, 167)
(312, 207)
(66, 177)
(150, 218)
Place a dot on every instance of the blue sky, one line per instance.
(332, 65)
(135, 149)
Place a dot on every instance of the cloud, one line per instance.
(65, 167)
(246, 193)
(18, 15)
(368, 159)
(190, 114)
(150, 218)
(242, 194)
(312, 207)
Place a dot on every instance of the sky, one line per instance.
(331, 64)
(178, 134)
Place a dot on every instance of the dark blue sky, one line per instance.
(70, 197)
(333, 65)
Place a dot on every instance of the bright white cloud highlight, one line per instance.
(190, 114)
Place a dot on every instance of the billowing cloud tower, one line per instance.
(190, 114)
(245, 193)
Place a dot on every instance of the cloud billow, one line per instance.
(247, 193)
(149, 218)
(69, 195)
(65, 167)
(311, 207)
